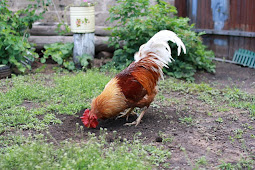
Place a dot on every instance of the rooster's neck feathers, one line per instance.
(110, 101)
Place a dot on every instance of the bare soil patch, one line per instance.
(230, 75)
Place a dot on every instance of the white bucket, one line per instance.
(82, 19)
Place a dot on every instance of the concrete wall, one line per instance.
(57, 10)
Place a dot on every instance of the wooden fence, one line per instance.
(229, 24)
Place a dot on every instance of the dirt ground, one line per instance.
(187, 143)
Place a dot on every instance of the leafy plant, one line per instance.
(84, 60)
(136, 22)
(62, 54)
(187, 120)
(219, 120)
(15, 50)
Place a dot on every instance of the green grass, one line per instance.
(47, 96)
(217, 98)
(242, 164)
(96, 153)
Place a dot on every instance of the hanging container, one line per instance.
(82, 19)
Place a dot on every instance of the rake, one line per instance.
(244, 57)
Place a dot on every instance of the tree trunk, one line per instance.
(83, 44)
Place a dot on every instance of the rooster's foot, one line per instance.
(133, 123)
(126, 114)
(130, 124)
(137, 121)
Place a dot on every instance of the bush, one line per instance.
(15, 49)
(137, 22)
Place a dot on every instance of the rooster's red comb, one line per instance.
(85, 117)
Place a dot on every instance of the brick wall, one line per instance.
(52, 15)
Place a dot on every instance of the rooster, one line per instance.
(135, 86)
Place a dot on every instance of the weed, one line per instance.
(219, 120)
(187, 120)
(226, 166)
(40, 69)
(223, 109)
(209, 113)
(166, 138)
(238, 133)
(200, 162)
(247, 126)
(242, 164)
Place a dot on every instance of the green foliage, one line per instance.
(137, 22)
(85, 60)
(187, 120)
(242, 164)
(62, 54)
(14, 46)
(63, 28)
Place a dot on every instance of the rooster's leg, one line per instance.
(126, 114)
(138, 120)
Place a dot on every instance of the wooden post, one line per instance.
(84, 43)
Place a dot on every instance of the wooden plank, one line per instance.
(198, 19)
(227, 32)
(252, 16)
(231, 14)
(207, 6)
(200, 7)
(210, 18)
(181, 6)
(236, 43)
(100, 42)
(238, 15)
(202, 14)
(231, 49)
(50, 30)
(248, 15)
(245, 10)
(234, 15)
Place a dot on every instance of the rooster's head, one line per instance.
(89, 120)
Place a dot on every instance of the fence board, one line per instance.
(239, 25)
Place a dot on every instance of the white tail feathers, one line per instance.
(158, 47)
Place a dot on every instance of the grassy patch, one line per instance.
(96, 153)
(219, 99)
(26, 97)
(242, 164)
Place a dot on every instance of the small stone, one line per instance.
(104, 55)
(159, 139)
